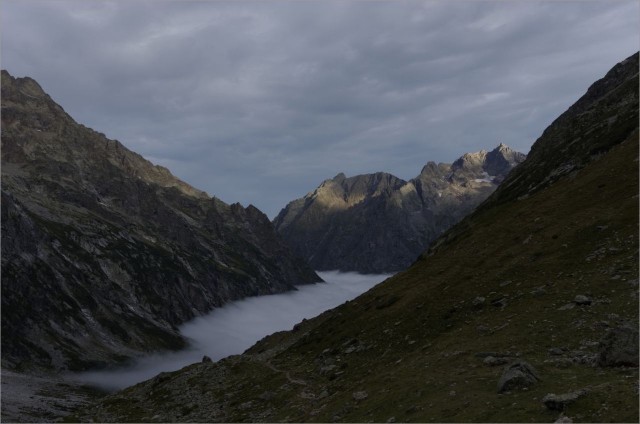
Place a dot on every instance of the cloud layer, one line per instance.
(258, 102)
(235, 327)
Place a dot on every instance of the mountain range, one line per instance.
(524, 311)
(104, 254)
(379, 223)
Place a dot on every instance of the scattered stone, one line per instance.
(245, 405)
(205, 358)
(561, 363)
(482, 328)
(563, 419)
(582, 300)
(362, 395)
(499, 303)
(494, 354)
(559, 402)
(492, 361)
(328, 369)
(567, 307)
(538, 291)
(555, 351)
(391, 420)
(518, 375)
(266, 395)
(584, 358)
(613, 317)
(619, 347)
(602, 227)
(478, 302)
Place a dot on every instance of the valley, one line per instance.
(228, 330)
(500, 287)
(526, 310)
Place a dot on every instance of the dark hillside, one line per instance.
(104, 253)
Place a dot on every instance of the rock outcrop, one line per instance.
(378, 223)
(103, 253)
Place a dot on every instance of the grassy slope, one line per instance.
(411, 342)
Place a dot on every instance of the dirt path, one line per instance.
(286, 374)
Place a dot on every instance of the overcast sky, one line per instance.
(258, 102)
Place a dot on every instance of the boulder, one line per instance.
(492, 361)
(619, 347)
(559, 402)
(478, 302)
(582, 300)
(518, 375)
(360, 395)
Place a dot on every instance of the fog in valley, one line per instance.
(236, 326)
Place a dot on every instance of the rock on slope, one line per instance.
(378, 223)
(506, 286)
(103, 253)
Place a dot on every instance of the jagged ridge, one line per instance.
(378, 223)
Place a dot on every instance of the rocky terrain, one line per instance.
(526, 311)
(103, 253)
(378, 223)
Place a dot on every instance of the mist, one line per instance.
(236, 326)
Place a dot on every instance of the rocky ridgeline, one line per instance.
(378, 223)
(103, 253)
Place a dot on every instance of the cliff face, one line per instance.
(537, 287)
(378, 223)
(103, 253)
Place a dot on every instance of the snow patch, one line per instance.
(486, 178)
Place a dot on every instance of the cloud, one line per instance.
(233, 328)
(258, 102)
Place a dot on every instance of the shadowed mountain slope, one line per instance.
(103, 253)
(544, 272)
(378, 223)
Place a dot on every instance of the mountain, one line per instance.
(378, 223)
(103, 253)
(526, 311)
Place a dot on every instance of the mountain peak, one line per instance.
(374, 223)
(502, 159)
(26, 85)
(339, 177)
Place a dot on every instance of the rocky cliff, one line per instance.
(526, 311)
(378, 223)
(103, 253)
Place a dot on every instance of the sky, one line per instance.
(258, 102)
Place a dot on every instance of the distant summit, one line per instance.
(377, 223)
